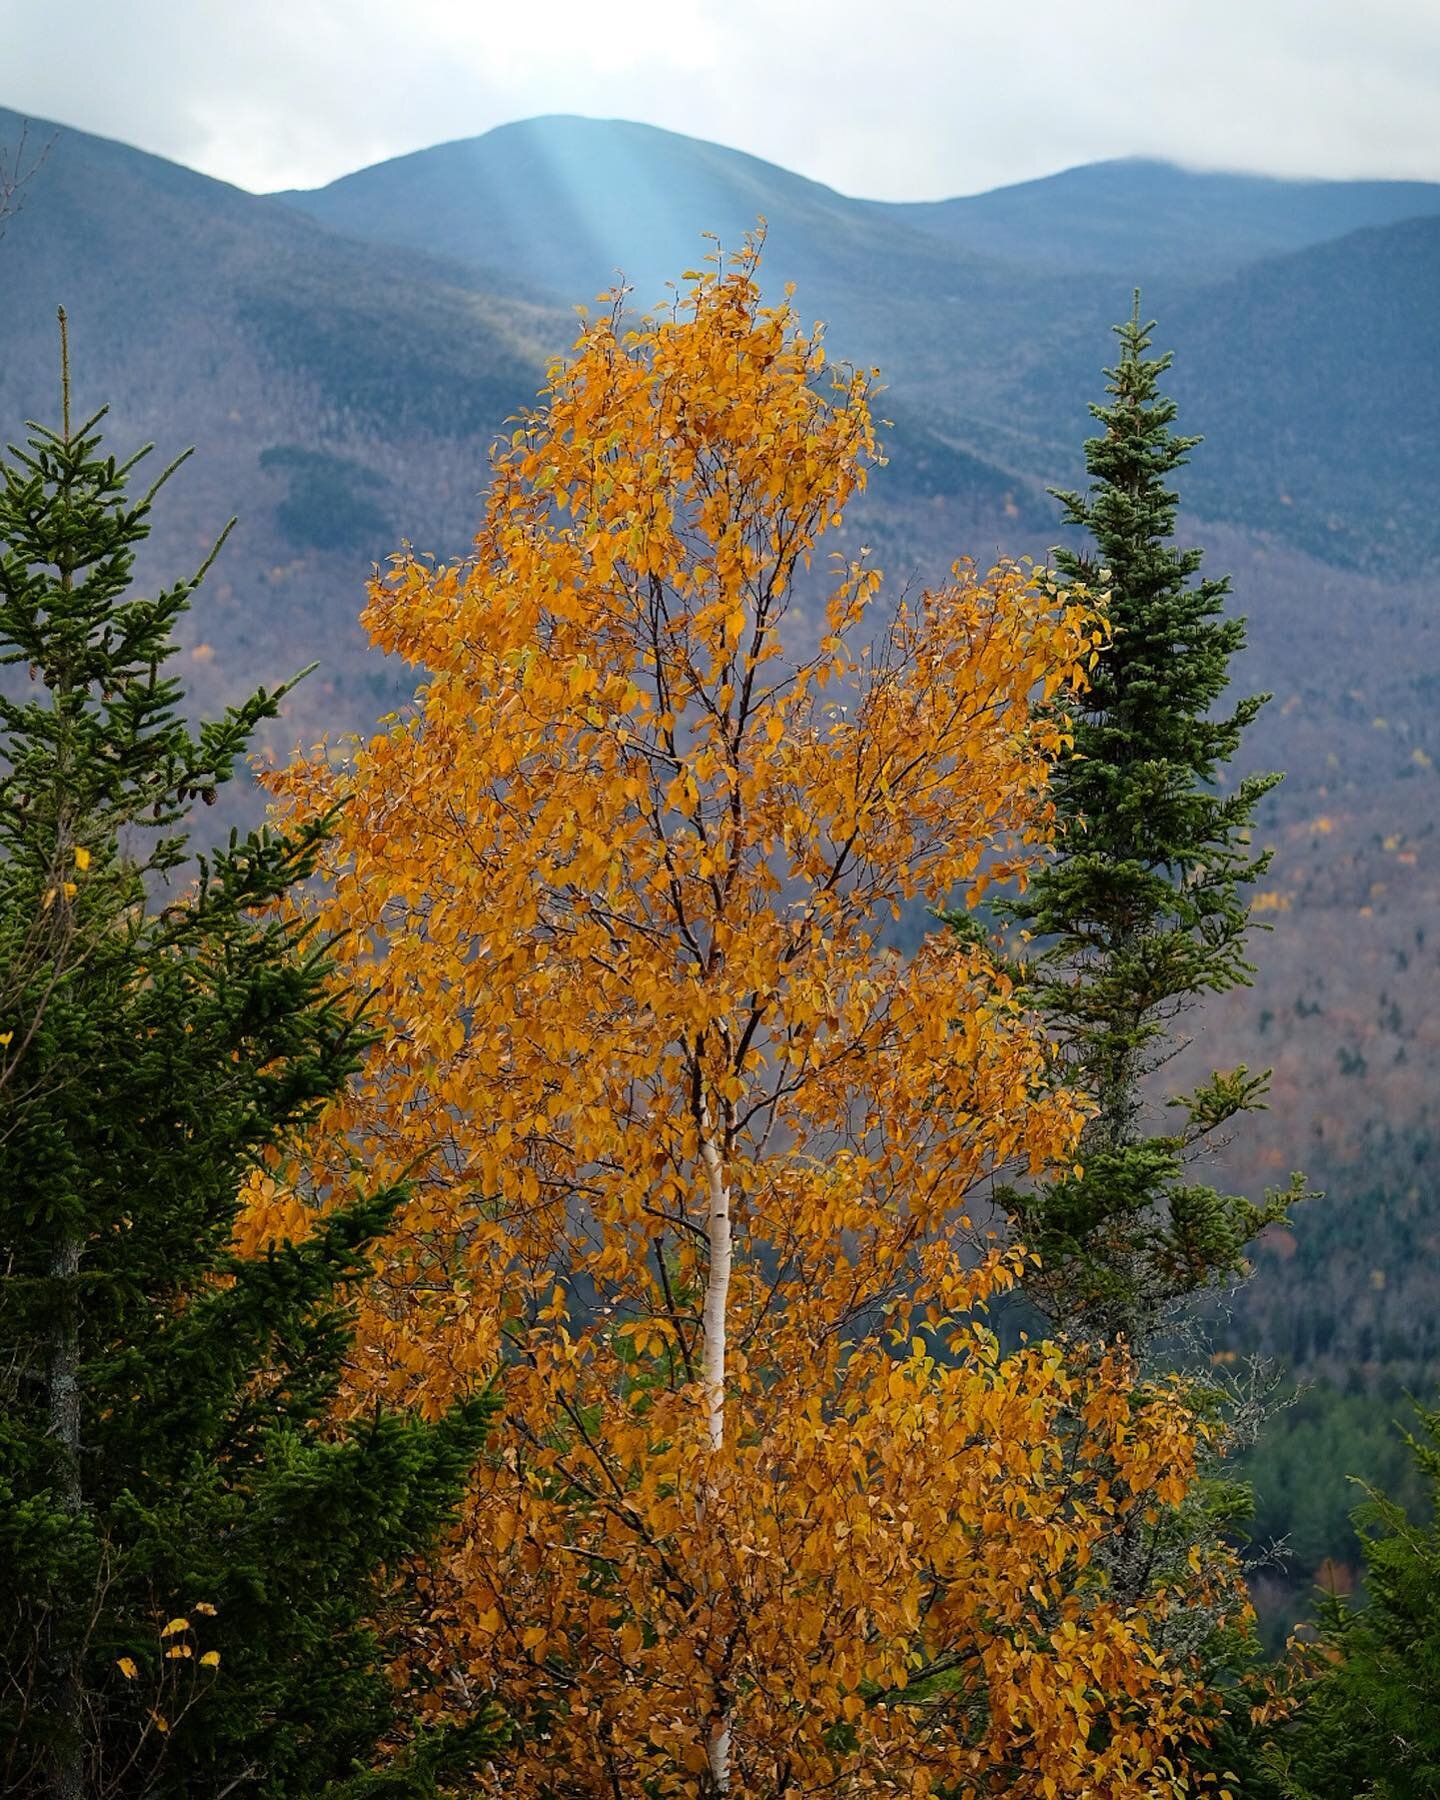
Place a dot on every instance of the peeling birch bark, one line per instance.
(717, 1295)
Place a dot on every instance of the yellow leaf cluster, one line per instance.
(693, 1153)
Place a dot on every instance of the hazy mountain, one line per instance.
(567, 206)
(1143, 219)
(1322, 371)
(1297, 367)
(153, 261)
(342, 360)
(1314, 378)
(567, 202)
(340, 395)
(337, 398)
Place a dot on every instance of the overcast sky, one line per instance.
(891, 99)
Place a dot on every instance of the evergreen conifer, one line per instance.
(1144, 910)
(1141, 914)
(1369, 1722)
(191, 1554)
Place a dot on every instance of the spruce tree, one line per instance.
(1369, 1718)
(1144, 909)
(190, 1551)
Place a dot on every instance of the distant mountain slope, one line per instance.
(1296, 367)
(568, 204)
(140, 248)
(1144, 219)
(341, 395)
(565, 200)
(1315, 381)
(337, 397)
(1320, 374)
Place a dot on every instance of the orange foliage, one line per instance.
(691, 1150)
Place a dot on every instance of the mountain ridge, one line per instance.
(1240, 214)
(343, 393)
(983, 351)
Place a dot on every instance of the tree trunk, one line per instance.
(63, 1374)
(718, 1754)
(717, 1287)
(717, 1295)
(67, 1782)
(67, 1779)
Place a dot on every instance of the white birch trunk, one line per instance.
(717, 1287)
(718, 1752)
(717, 1295)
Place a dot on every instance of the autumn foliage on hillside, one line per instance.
(692, 1154)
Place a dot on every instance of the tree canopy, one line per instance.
(693, 1154)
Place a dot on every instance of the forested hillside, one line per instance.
(343, 360)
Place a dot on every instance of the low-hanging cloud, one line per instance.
(911, 99)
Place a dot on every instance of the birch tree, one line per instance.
(692, 1151)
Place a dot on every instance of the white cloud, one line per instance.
(896, 99)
